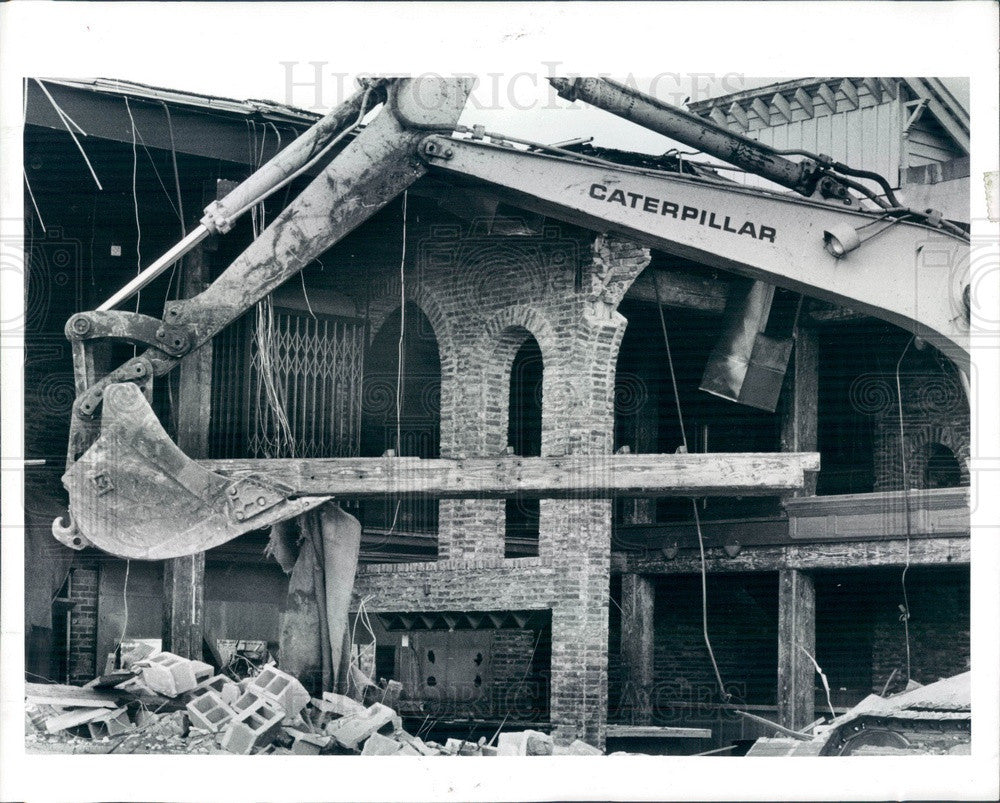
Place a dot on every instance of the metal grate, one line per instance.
(316, 365)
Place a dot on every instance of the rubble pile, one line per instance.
(169, 704)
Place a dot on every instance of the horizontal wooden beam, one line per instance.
(576, 476)
(848, 555)
(680, 290)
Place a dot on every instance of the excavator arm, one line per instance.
(907, 273)
(134, 493)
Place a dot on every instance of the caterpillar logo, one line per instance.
(703, 217)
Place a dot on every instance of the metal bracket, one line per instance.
(131, 327)
(252, 495)
(436, 147)
(135, 370)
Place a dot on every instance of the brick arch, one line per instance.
(920, 444)
(502, 337)
(382, 306)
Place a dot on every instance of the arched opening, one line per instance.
(942, 469)
(524, 435)
(411, 428)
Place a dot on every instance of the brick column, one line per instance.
(485, 297)
(83, 626)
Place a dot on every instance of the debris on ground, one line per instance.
(169, 704)
(935, 719)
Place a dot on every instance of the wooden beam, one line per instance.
(574, 476)
(796, 642)
(951, 551)
(638, 596)
(657, 732)
(681, 290)
(184, 577)
(800, 399)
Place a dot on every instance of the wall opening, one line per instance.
(943, 469)
(524, 435)
(646, 418)
(413, 518)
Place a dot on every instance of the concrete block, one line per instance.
(111, 724)
(227, 689)
(379, 745)
(339, 704)
(250, 698)
(285, 689)
(351, 731)
(169, 674)
(524, 743)
(209, 712)
(252, 728)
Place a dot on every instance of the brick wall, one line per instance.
(83, 624)
(743, 626)
(935, 411)
(939, 627)
(484, 296)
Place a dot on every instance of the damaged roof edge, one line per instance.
(135, 89)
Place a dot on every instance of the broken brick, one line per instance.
(338, 704)
(517, 744)
(379, 745)
(350, 731)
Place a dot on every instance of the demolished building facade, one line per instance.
(519, 336)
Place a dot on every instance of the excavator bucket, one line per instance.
(135, 494)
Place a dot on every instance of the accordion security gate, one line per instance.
(314, 366)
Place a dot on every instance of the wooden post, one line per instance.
(638, 595)
(800, 398)
(796, 643)
(647, 432)
(184, 578)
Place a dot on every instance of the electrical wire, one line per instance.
(399, 357)
(66, 121)
(312, 162)
(34, 203)
(128, 566)
(135, 204)
(726, 697)
(906, 506)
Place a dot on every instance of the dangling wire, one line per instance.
(905, 616)
(399, 357)
(135, 204)
(128, 566)
(694, 502)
